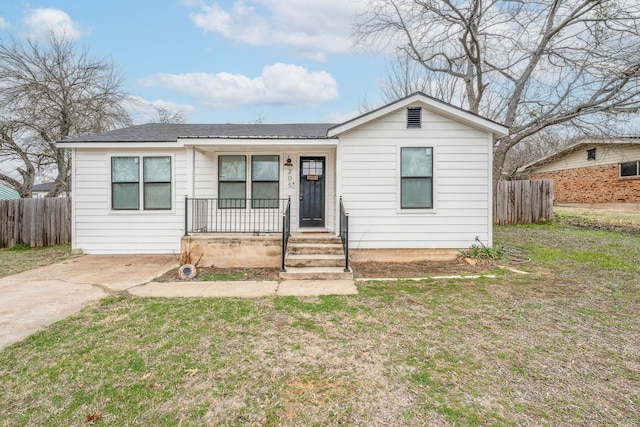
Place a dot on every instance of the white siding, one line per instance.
(99, 230)
(605, 154)
(369, 184)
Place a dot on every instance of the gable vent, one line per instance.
(414, 117)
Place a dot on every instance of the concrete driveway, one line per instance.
(36, 298)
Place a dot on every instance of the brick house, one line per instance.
(593, 171)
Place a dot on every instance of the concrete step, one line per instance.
(314, 238)
(316, 273)
(333, 241)
(314, 248)
(314, 260)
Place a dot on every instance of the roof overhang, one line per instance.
(432, 104)
(119, 145)
(580, 145)
(207, 144)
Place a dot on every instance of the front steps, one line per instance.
(315, 256)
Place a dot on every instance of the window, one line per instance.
(630, 169)
(416, 184)
(232, 182)
(591, 154)
(265, 181)
(414, 117)
(125, 183)
(157, 182)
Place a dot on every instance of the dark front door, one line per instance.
(312, 191)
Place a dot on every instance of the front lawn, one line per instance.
(559, 346)
(19, 258)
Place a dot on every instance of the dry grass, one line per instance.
(14, 261)
(557, 347)
(601, 218)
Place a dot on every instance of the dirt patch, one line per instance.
(369, 269)
(208, 274)
(373, 269)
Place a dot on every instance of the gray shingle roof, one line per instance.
(161, 132)
(45, 186)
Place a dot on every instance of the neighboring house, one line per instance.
(7, 193)
(593, 171)
(414, 176)
(41, 190)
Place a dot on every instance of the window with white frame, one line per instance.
(232, 181)
(156, 183)
(265, 182)
(416, 177)
(630, 169)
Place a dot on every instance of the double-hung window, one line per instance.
(416, 177)
(125, 183)
(156, 183)
(232, 182)
(630, 169)
(265, 181)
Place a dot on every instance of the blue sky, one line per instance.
(279, 61)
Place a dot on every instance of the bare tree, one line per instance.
(542, 144)
(167, 115)
(48, 92)
(406, 76)
(529, 64)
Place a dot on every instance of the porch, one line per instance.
(257, 233)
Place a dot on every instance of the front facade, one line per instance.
(593, 172)
(413, 175)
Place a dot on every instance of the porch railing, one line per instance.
(203, 215)
(286, 232)
(344, 234)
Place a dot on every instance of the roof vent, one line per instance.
(591, 154)
(414, 117)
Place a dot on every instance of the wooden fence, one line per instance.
(35, 222)
(523, 202)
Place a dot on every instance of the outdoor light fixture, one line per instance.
(288, 162)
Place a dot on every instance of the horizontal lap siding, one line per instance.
(99, 230)
(370, 176)
(206, 180)
(605, 154)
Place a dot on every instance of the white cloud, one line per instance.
(279, 84)
(313, 28)
(3, 23)
(145, 111)
(41, 23)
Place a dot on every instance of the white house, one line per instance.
(41, 190)
(414, 175)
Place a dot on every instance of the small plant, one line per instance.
(20, 247)
(480, 252)
(186, 257)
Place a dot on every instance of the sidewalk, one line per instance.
(36, 298)
(246, 289)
